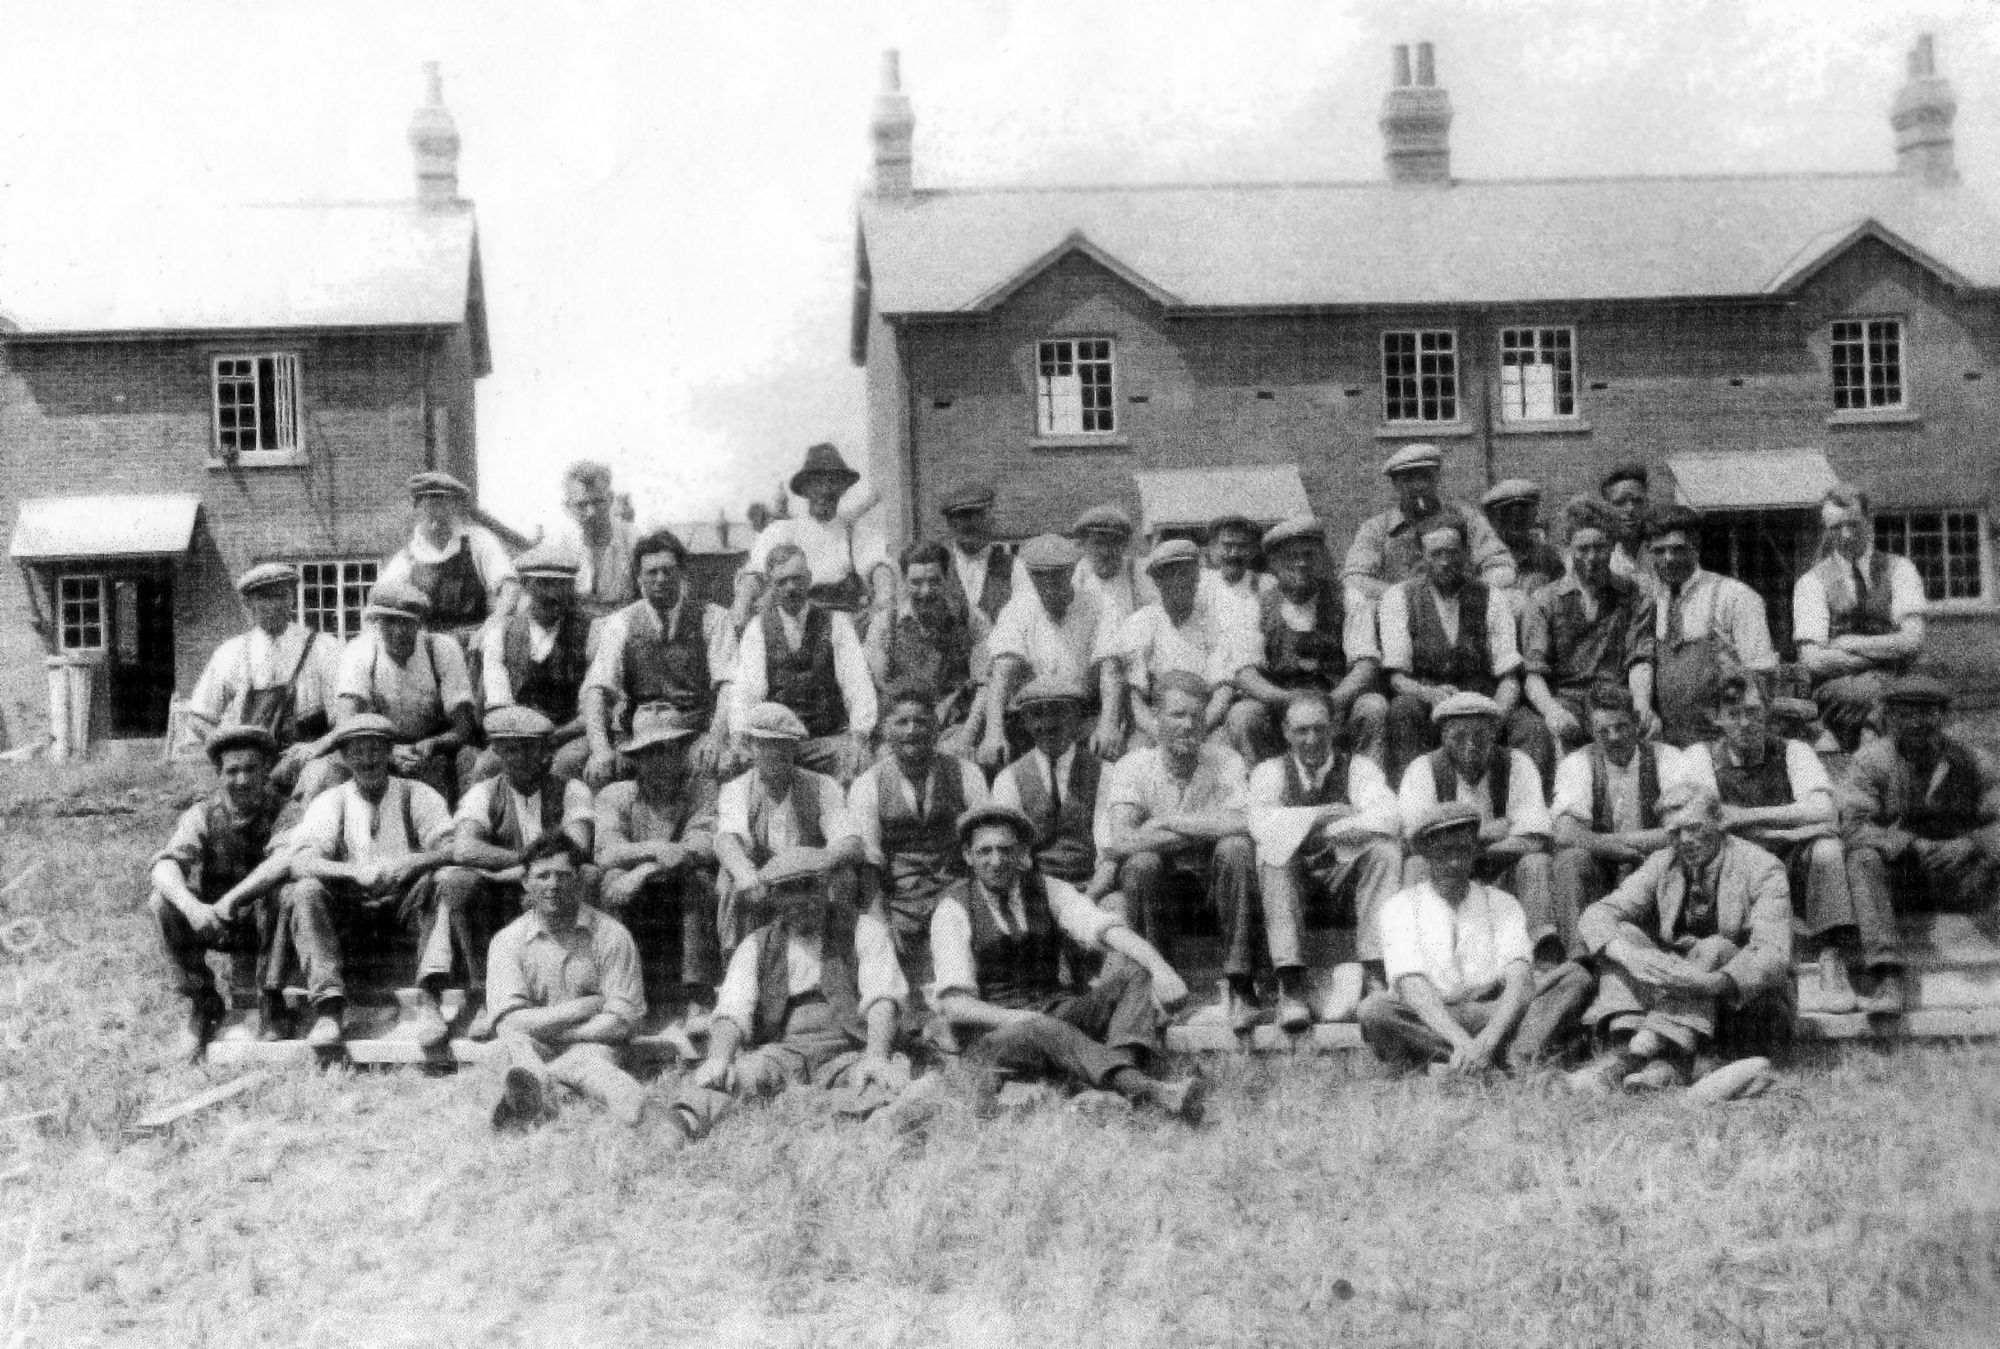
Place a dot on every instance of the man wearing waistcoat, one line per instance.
(997, 943)
(984, 573)
(537, 656)
(459, 566)
(1857, 616)
(807, 658)
(1442, 634)
(935, 641)
(1606, 809)
(280, 675)
(1308, 639)
(665, 647)
(1057, 785)
(1584, 628)
(215, 889)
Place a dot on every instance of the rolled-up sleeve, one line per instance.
(454, 685)
(1501, 648)
(1537, 641)
(878, 974)
(1574, 791)
(1749, 632)
(618, 974)
(718, 632)
(190, 835)
(836, 820)
(1392, 613)
(318, 832)
(1082, 921)
(1490, 555)
(1807, 775)
(864, 808)
(1374, 801)
(607, 663)
(850, 670)
(736, 999)
(493, 678)
(1810, 620)
(952, 969)
(216, 689)
(749, 680)
(1358, 636)
(1527, 808)
(506, 980)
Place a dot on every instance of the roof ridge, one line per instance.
(1283, 184)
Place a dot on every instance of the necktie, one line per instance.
(1860, 582)
(1055, 790)
(1674, 629)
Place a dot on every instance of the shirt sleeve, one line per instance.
(318, 832)
(354, 678)
(493, 678)
(618, 976)
(1749, 633)
(1401, 951)
(971, 783)
(1364, 555)
(1392, 613)
(576, 802)
(321, 675)
(474, 808)
(454, 687)
(1131, 641)
(1009, 636)
(1810, 620)
(698, 833)
(749, 682)
(1490, 556)
(736, 999)
(607, 662)
(1806, 773)
(718, 633)
(1537, 642)
(1266, 789)
(216, 689)
(1527, 808)
(189, 837)
(1082, 921)
(836, 821)
(1358, 636)
(1574, 793)
(1122, 786)
(490, 556)
(1417, 794)
(430, 815)
(1374, 801)
(864, 809)
(1006, 790)
(951, 952)
(1693, 767)
(506, 984)
(850, 669)
(1906, 590)
(732, 807)
(396, 568)
(608, 815)
(1501, 648)
(1510, 931)
(1232, 781)
(878, 974)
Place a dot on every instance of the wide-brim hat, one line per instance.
(1444, 818)
(823, 461)
(772, 721)
(992, 812)
(394, 599)
(1413, 456)
(657, 724)
(514, 722)
(364, 725)
(1918, 690)
(1463, 704)
(436, 483)
(265, 575)
(240, 736)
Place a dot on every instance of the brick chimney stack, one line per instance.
(1416, 121)
(1922, 115)
(894, 129)
(434, 141)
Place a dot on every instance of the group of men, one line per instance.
(970, 803)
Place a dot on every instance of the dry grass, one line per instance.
(1858, 1205)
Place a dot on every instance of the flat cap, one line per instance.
(772, 721)
(555, 559)
(1047, 689)
(436, 482)
(1172, 553)
(267, 574)
(1443, 818)
(1413, 456)
(1511, 489)
(1463, 704)
(396, 599)
(994, 813)
(364, 725)
(966, 496)
(1049, 552)
(1918, 689)
(1298, 527)
(792, 865)
(1103, 519)
(657, 724)
(240, 736)
(514, 722)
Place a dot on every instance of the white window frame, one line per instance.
(350, 592)
(288, 442)
(1543, 351)
(1394, 396)
(1866, 340)
(1061, 409)
(1978, 568)
(95, 596)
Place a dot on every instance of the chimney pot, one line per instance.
(892, 72)
(434, 142)
(1426, 65)
(894, 130)
(1922, 117)
(1399, 66)
(1416, 122)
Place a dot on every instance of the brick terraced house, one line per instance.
(1750, 338)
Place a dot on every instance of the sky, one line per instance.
(665, 191)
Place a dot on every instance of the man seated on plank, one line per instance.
(1586, 628)
(1178, 833)
(1058, 785)
(537, 656)
(1693, 952)
(1704, 627)
(458, 565)
(1857, 616)
(807, 658)
(497, 822)
(1326, 827)
(1049, 630)
(983, 574)
(1177, 630)
(935, 641)
(1107, 575)
(214, 888)
(656, 844)
(1922, 811)
(1230, 584)
(997, 945)
(1463, 994)
(362, 863)
(563, 994)
(1607, 808)
(812, 998)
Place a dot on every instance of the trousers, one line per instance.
(660, 908)
(254, 931)
(1360, 878)
(464, 910)
(591, 1070)
(1155, 885)
(1085, 1037)
(1398, 1036)
(1761, 1024)
(1881, 887)
(811, 1052)
(322, 924)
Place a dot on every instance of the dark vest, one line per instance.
(1065, 844)
(1466, 665)
(1872, 618)
(1765, 785)
(1953, 810)
(457, 595)
(837, 982)
(1331, 792)
(999, 586)
(803, 679)
(276, 708)
(940, 661)
(1014, 969)
(805, 805)
(1296, 660)
(232, 849)
(1600, 789)
(672, 670)
(503, 823)
(1499, 778)
(550, 686)
(927, 844)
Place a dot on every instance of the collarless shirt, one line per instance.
(610, 635)
(253, 660)
(340, 821)
(1575, 788)
(850, 668)
(864, 798)
(952, 965)
(781, 819)
(1062, 649)
(1720, 607)
(1503, 653)
(1145, 780)
(417, 695)
(878, 976)
(489, 556)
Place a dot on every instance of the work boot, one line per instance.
(274, 1019)
(1836, 990)
(1889, 997)
(482, 1021)
(1658, 1075)
(203, 1016)
(1294, 1017)
(427, 1025)
(326, 1028)
(523, 1099)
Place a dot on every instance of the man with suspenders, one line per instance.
(279, 675)
(537, 656)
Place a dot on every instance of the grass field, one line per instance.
(1857, 1204)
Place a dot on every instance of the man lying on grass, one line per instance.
(997, 948)
(564, 994)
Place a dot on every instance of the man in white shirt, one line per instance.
(808, 658)
(460, 567)
(986, 573)
(279, 675)
(1325, 823)
(1704, 625)
(935, 640)
(537, 656)
(843, 574)
(1857, 616)
(1107, 573)
(1606, 809)
(601, 538)
(1058, 785)
(1626, 490)
(1177, 631)
(1047, 631)
(1230, 583)
(1462, 992)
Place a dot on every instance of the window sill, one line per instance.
(1113, 441)
(257, 459)
(1559, 426)
(1948, 610)
(1421, 430)
(1876, 417)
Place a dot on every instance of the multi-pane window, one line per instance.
(1420, 376)
(256, 405)
(1073, 388)
(1867, 364)
(333, 594)
(1945, 547)
(1537, 374)
(80, 616)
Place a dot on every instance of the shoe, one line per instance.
(427, 1026)
(696, 1020)
(196, 1031)
(627, 1105)
(1239, 1008)
(1836, 991)
(274, 1019)
(1294, 1017)
(1595, 1079)
(1889, 997)
(522, 1100)
(1733, 1082)
(1343, 994)
(482, 1024)
(1186, 1100)
(326, 1028)
(1657, 1075)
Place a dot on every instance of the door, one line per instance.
(139, 667)
(1766, 550)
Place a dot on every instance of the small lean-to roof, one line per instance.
(1180, 497)
(53, 528)
(1751, 480)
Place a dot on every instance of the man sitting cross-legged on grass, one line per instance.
(1462, 988)
(1325, 822)
(215, 890)
(1693, 949)
(997, 944)
(563, 993)
(813, 997)
(1607, 808)
(362, 860)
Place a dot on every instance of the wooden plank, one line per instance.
(168, 1114)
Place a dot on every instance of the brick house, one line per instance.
(262, 393)
(1750, 338)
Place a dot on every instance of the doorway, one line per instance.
(139, 662)
(1767, 550)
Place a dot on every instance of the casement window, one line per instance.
(1420, 376)
(1946, 547)
(1867, 365)
(1537, 374)
(257, 407)
(332, 595)
(1073, 384)
(80, 612)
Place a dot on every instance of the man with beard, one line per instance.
(934, 641)
(1585, 628)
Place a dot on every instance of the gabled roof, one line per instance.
(359, 265)
(1285, 245)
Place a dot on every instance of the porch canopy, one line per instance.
(51, 529)
(1188, 498)
(1751, 480)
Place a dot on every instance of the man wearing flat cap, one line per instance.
(1230, 583)
(496, 824)
(809, 658)
(1462, 992)
(1107, 573)
(214, 888)
(1049, 630)
(459, 565)
(1922, 815)
(842, 573)
(536, 657)
(363, 860)
(279, 675)
(1176, 630)
(1513, 506)
(1057, 785)
(1388, 547)
(984, 572)
(1586, 627)
(936, 641)
(1308, 640)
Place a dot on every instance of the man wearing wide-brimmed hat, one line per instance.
(459, 565)
(279, 675)
(537, 656)
(215, 889)
(1049, 630)
(844, 574)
